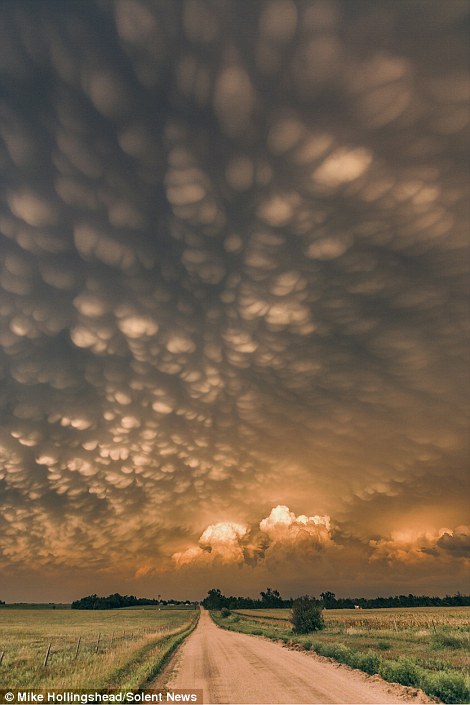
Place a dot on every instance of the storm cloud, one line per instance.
(233, 277)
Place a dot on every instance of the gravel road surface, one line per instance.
(238, 668)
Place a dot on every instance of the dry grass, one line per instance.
(125, 637)
(402, 618)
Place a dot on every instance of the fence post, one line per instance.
(47, 655)
(78, 646)
(98, 642)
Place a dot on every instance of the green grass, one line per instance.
(148, 661)
(133, 644)
(422, 647)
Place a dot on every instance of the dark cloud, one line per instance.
(457, 543)
(232, 276)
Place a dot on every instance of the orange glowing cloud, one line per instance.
(283, 526)
(412, 546)
(218, 543)
(232, 543)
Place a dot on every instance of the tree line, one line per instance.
(215, 600)
(116, 601)
(330, 601)
(272, 598)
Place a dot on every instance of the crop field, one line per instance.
(162, 608)
(395, 619)
(87, 649)
(421, 646)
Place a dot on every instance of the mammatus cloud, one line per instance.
(232, 277)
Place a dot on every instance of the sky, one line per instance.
(233, 297)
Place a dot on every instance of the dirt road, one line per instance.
(238, 668)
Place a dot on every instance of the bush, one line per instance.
(446, 641)
(403, 671)
(306, 615)
(369, 663)
(225, 612)
(384, 645)
(449, 687)
(340, 652)
(388, 670)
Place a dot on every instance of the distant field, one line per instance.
(117, 647)
(36, 606)
(392, 618)
(428, 647)
(159, 607)
(66, 606)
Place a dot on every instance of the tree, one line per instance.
(271, 598)
(214, 600)
(306, 615)
(329, 599)
(111, 602)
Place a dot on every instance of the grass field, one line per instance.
(161, 608)
(36, 606)
(117, 648)
(422, 647)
